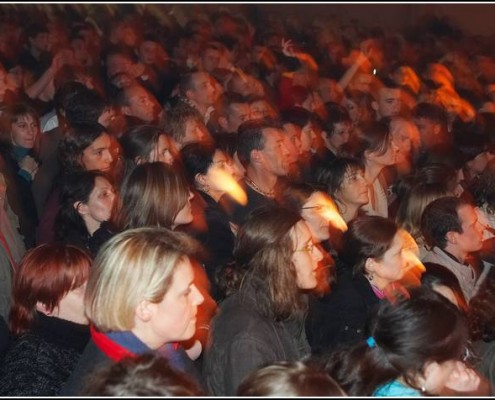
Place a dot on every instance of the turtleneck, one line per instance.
(61, 332)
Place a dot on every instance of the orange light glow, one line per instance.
(228, 184)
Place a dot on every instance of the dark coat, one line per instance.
(243, 339)
(340, 316)
(39, 362)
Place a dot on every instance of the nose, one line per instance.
(198, 297)
(317, 254)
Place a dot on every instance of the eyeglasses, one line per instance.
(308, 248)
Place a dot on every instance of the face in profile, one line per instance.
(174, 318)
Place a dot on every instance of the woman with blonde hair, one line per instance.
(140, 298)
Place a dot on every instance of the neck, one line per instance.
(371, 171)
(91, 225)
(460, 255)
(348, 211)
(263, 180)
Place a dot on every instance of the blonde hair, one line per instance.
(135, 265)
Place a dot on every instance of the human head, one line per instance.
(51, 279)
(452, 223)
(443, 281)
(136, 101)
(372, 144)
(413, 205)
(199, 161)
(186, 125)
(134, 273)
(270, 246)
(86, 146)
(310, 204)
(146, 143)
(146, 375)
(408, 342)
(388, 99)
(261, 146)
(367, 248)
(289, 379)
(23, 125)
(344, 182)
(87, 200)
(143, 192)
(198, 88)
(235, 110)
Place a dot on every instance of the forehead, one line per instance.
(466, 214)
(389, 93)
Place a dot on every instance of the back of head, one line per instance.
(289, 379)
(143, 192)
(403, 337)
(45, 275)
(146, 375)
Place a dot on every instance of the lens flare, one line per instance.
(228, 184)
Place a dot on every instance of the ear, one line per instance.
(81, 208)
(201, 179)
(42, 308)
(370, 265)
(451, 237)
(144, 310)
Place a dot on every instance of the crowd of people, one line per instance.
(226, 205)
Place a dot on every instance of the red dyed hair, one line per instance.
(46, 274)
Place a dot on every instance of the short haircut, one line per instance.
(45, 275)
(178, 118)
(432, 112)
(440, 217)
(135, 265)
(251, 138)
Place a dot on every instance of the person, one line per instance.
(344, 181)
(145, 375)
(140, 298)
(373, 261)
(143, 193)
(47, 320)
(408, 352)
(12, 249)
(202, 163)
(453, 233)
(374, 147)
(262, 321)
(289, 379)
(18, 151)
(85, 146)
(480, 320)
(87, 206)
(145, 143)
(261, 151)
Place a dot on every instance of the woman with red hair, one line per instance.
(47, 318)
